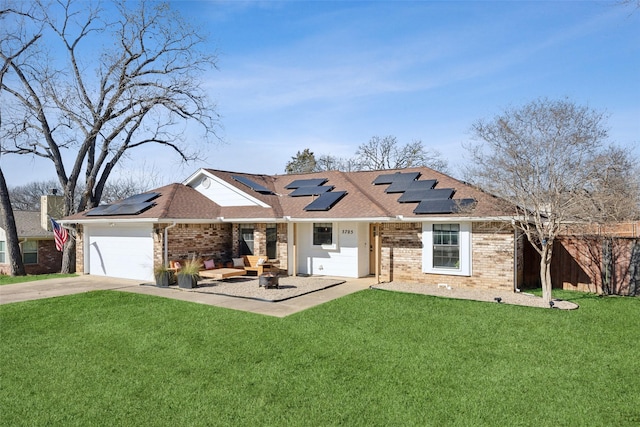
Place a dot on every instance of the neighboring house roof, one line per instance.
(255, 197)
(28, 225)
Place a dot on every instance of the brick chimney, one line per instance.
(51, 205)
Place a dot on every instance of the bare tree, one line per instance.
(387, 153)
(327, 162)
(546, 158)
(27, 197)
(16, 266)
(378, 153)
(97, 84)
(14, 45)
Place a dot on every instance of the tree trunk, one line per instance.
(606, 274)
(545, 272)
(634, 269)
(69, 257)
(13, 247)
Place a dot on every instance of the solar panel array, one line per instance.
(311, 191)
(133, 205)
(430, 200)
(252, 185)
(326, 201)
(306, 183)
(314, 187)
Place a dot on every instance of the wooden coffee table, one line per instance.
(222, 273)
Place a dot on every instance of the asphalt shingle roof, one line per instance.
(28, 225)
(363, 200)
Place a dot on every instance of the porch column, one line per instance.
(294, 255)
(377, 248)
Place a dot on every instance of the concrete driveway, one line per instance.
(74, 285)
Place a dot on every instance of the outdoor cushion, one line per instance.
(238, 262)
(209, 264)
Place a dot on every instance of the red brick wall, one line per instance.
(49, 260)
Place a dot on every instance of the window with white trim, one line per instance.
(446, 245)
(322, 233)
(30, 252)
(3, 257)
(446, 248)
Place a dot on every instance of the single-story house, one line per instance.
(413, 224)
(37, 245)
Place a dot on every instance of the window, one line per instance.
(446, 245)
(3, 258)
(246, 241)
(322, 233)
(446, 248)
(272, 241)
(30, 252)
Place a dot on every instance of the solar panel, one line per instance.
(120, 209)
(252, 185)
(100, 210)
(435, 207)
(395, 177)
(139, 198)
(311, 191)
(306, 183)
(442, 206)
(406, 185)
(428, 194)
(326, 201)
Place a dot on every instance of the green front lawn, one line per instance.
(7, 280)
(371, 358)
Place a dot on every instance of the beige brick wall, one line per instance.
(79, 249)
(491, 244)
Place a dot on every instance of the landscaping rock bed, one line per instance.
(488, 295)
(249, 287)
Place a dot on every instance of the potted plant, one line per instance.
(162, 275)
(188, 274)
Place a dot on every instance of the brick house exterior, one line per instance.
(218, 215)
(46, 258)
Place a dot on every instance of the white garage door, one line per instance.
(120, 251)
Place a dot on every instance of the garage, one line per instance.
(119, 250)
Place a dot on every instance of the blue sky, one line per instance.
(330, 75)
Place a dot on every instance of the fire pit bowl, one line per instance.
(268, 281)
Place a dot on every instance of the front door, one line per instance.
(374, 243)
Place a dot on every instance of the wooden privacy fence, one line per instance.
(602, 259)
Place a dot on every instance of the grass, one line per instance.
(8, 280)
(371, 358)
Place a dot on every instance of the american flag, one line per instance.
(61, 235)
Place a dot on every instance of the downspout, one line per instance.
(166, 243)
(515, 260)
